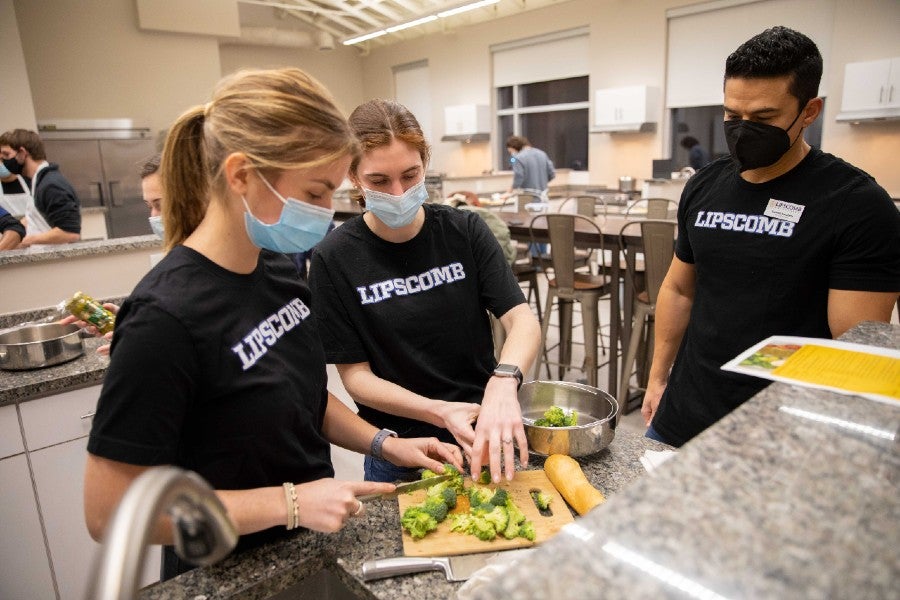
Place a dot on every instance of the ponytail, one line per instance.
(185, 180)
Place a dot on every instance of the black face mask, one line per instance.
(754, 145)
(13, 166)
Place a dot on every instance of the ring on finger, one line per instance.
(508, 440)
(358, 509)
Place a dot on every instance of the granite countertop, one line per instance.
(88, 369)
(792, 495)
(264, 571)
(61, 251)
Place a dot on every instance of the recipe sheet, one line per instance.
(843, 367)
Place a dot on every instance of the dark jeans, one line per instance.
(378, 469)
(653, 435)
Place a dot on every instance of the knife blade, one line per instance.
(455, 568)
(403, 488)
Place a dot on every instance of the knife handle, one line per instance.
(402, 565)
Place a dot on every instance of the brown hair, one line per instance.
(378, 122)
(517, 142)
(281, 119)
(150, 166)
(24, 138)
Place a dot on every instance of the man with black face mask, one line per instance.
(778, 238)
(54, 216)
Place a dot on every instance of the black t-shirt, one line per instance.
(13, 186)
(219, 373)
(416, 311)
(758, 275)
(10, 223)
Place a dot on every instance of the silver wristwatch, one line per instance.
(378, 441)
(502, 370)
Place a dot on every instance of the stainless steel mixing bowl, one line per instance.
(37, 346)
(596, 417)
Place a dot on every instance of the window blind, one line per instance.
(553, 56)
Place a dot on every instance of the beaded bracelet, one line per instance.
(293, 512)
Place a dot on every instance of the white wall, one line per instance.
(88, 59)
(15, 93)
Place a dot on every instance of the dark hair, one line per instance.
(517, 142)
(377, 123)
(689, 142)
(24, 138)
(776, 52)
(151, 165)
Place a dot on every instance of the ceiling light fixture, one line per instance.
(420, 21)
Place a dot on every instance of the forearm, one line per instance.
(523, 337)
(673, 312)
(54, 236)
(345, 428)
(370, 390)
(9, 240)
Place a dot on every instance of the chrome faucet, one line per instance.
(202, 530)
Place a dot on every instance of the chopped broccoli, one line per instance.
(428, 474)
(498, 517)
(515, 513)
(527, 530)
(500, 497)
(456, 481)
(483, 530)
(485, 476)
(436, 507)
(479, 495)
(449, 495)
(417, 522)
(542, 500)
(556, 416)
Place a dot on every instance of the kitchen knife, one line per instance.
(455, 568)
(403, 488)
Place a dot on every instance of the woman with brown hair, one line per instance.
(216, 365)
(402, 294)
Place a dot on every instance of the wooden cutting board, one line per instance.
(443, 542)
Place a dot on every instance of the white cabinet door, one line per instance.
(10, 432)
(59, 418)
(865, 84)
(59, 475)
(625, 106)
(24, 566)
(893, 84)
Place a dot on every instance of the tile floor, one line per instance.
(348, 465)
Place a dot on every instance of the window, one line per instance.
(553, 115)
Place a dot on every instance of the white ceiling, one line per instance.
(343, 19)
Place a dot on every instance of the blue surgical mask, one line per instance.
(157, 226)
(396, 211)
(4, 172)
(300, 226)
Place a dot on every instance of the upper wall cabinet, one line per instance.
(632, 108)
(871, 91)
(467, 123)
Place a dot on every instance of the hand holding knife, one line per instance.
(403, 488)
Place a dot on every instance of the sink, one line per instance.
(324, 584)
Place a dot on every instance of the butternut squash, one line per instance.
(566, 475)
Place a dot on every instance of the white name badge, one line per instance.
(786, 211)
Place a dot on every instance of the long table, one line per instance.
(518, 223)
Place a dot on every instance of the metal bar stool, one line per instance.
(566, 286)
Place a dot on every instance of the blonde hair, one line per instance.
(281, 119)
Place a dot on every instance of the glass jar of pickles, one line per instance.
(92, 312)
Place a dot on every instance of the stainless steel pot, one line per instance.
(38, 346)
(596, 417)
(626, 184)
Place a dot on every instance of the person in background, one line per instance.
(778, 238)
(11, 231)
(697, 156)
(532, 168)
(55, 216)
(402, 294)
(151, 190)
(217, 365)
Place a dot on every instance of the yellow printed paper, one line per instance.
(853, 371)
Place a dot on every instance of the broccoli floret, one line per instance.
(461, 522)
(485, 476)
(556, 416)
(428, 474)
(479, 495)
(500, 497)
(498, 517)
(436, 507)
(515, 513)
(482, 529)
(456, 482)
(417, 522)
(542, 500)
(437, 490)
(449, 497)
(527, 530)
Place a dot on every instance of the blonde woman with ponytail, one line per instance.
(216, 365)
